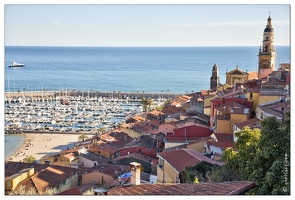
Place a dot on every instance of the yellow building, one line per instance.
(207, 104)
(226, 115)
(236, 76)
(272, 90)
(39, 177)
(198, 145)
(12, 181)
(253, 96)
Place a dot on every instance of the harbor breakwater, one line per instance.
(106, 94)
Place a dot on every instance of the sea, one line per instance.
(176, 70)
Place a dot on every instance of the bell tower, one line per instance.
(214, 80)
(267, 54)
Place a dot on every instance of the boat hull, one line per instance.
(16, 66)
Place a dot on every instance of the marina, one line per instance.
(51, 112)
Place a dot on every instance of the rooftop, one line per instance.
(182, 158)
(224, 188)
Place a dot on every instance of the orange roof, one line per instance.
(252, 75)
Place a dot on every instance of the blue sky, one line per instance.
(143, 24)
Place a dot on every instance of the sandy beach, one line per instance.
(39, 145)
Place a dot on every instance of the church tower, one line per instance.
(214, 81)
(267, 54)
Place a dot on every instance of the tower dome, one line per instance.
(268, 26)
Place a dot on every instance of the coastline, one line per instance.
(39, 145)
(18, 147)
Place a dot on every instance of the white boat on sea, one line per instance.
(14, 64)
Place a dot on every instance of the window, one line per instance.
(251, 96)
(161, 163)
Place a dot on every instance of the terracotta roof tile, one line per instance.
(222, 145)
(252, 123)
(180, 159)
(252, 75)
(72, 191)
(275, 108)
(254, 89)
(44, 176)
(94, 157)
(223, 137)
(224, 188)
(273, 81)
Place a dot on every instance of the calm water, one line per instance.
(124, 69)
(12, 143)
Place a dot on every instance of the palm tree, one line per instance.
(82, 137)
(162, 93)
(149, 102)
(101, 130)
(29, 159)
(114, 93)
(168, 93)
(144, 102)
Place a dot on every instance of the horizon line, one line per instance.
(137, 46)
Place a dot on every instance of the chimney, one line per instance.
(135, 173)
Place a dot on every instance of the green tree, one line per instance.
(29, 159)
(149, 102)
(99, 132)
(82, 137)
(263, 156)
(89, 192)
(201, 172)
(144, 102)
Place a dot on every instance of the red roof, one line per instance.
(252, 123)
(72, 191)
(222, 145)
(222, 137)
(204, 188)
(180, 159)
